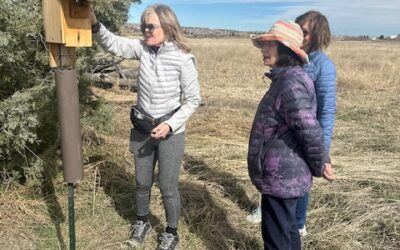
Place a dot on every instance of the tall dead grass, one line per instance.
(357, 211)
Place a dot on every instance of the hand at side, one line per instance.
(328, 173)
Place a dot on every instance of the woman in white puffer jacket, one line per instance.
(168, 94)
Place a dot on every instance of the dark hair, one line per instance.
(287, 57)
(319, 30)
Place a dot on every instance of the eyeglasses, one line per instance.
(150, 27)
(267, 43)
(271, 43)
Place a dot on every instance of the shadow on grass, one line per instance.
(205, 217)
(227, 181)
(208, 220)
(119, 184)
(53, 206)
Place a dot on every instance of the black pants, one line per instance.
(278, 225)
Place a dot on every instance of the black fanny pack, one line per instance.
(144, 122)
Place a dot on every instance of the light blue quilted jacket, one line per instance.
(323, 72)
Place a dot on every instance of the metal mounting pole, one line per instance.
(71, 216)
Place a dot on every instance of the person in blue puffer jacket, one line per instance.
(322, 71)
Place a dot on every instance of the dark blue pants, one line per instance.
(301, 211)
(278, 225)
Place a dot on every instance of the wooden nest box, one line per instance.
(67, 26)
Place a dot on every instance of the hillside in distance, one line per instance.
(195, 32)
(133, 29)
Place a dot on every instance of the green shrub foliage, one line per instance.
(29, 135)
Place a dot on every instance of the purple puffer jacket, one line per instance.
(286, 146)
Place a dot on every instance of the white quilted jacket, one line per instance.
(167, 78)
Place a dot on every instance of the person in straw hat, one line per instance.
(286, 145)
(322, 71)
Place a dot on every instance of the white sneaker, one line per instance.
(255, 216)
(303, 231)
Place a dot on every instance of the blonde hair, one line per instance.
(169, 23)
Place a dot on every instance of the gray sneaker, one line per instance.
(168, 242)
(138, 232)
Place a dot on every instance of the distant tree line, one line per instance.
(367, 37)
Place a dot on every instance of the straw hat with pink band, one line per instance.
(288, 33)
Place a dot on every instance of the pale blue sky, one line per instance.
(346, 17)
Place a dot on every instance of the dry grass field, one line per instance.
(359, 210)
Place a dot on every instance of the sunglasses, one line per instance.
(149, 27)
